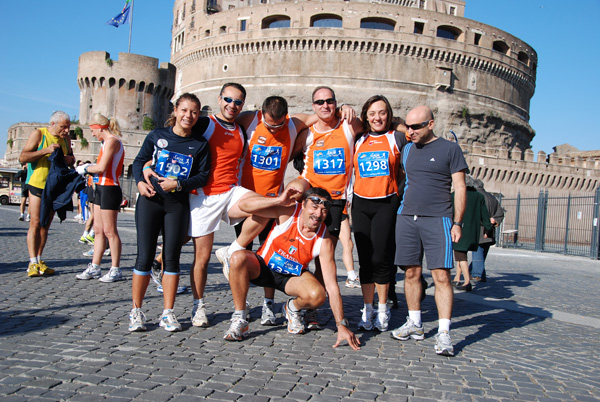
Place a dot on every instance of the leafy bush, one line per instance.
(148, 124)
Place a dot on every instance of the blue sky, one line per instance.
(42, 41)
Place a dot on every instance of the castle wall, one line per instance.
(129, 88)
(457, 78)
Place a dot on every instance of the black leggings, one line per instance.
(170, 214)
(373, 223)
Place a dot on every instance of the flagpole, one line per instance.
(130, 27)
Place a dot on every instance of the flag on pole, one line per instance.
(122, 18)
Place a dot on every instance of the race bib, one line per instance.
(373, 164)
(282, 265)
(96, 179)
(173, 165)
(329, 161)
(266, 158)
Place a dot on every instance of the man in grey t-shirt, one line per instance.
(426, 225)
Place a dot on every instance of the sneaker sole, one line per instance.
(444, 352)
(170, 329)
(111, 280)
(200, 324)
(87, 279)
(268, 323)
(233, 338)
(406, 338)
(137, 329)
(364, 328)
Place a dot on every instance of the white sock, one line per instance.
(352, 275)
(444, 324)
(22, 215)
(292, 307)
(95, 265)
(117, 268)
(167, 310)
(383, 308)
(269, 301)
(92, 233)
(198, 302)
(239, 313)
(233, 247)
(415, 317)
(85, 233)
(33, 260)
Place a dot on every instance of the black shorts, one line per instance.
(89, 190)
(108, 197)
(335, 217)
(270, 279)
(24, 190)
(35, 191)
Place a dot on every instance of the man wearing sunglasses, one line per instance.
(297, 237)
(426, 225)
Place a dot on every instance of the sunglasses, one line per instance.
(237, 102)
(318, 201)
(418, 126)
(321, 102)
(272, 125)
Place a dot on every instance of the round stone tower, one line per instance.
(130, 89)
(478, 79)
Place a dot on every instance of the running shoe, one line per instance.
(223, 259)
(169, 322)
(295, 321)
(180, 289)
(113, 275)
(408, 330)
(28, 218)
(137, 320)
(89, 253)
(156, 272)
(106, 252)
(247, 312)
(90, 239)
(268, 315)
(33, 270)
(382, 320)
(82, 240)
(238, 329)
(44, 269)
(310, 319)
(89, 273)
(22, 217)
(353, 283)
(443, 344)
(366, 321)
(199, 318)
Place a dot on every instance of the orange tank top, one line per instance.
(110, 177)
(328, 159)
(263, 168)
(286, 250)
(226, 151)
(376, 163)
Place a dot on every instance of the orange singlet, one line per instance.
(263, 168)
(286, 250)
(110, 177)
(376, 164)
(226, 151)
(328, 159)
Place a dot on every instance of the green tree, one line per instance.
(148, 124)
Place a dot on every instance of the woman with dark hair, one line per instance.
(374, 207)
(180, 161)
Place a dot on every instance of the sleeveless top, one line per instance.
(376, 163)
(37, 172)
(263, 168)
(110, 177)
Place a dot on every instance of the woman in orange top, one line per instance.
(374, 206)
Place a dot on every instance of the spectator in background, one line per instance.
(24, 193)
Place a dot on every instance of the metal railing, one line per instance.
(556, 224)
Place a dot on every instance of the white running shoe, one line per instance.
(366, 321)
(169, 322)
(113, 275)
(89, 253)
(382, 320)
(295, 320)
(199, 318)
(222, 256)
(89, 273)
(137, 320)
(408, 330)
(268, 314)
(443, 344)
(238, 329)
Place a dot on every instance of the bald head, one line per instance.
(420, 125)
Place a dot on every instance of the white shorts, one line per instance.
(207, 211)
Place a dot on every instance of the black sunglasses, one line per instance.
(418, 126)
(321, 102)
(237, 102)
(318, 201)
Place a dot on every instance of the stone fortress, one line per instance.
(478, 79)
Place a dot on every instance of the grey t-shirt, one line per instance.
(429, 170)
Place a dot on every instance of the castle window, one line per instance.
(500, 46)
(477, 39)
(448, 32)
(276, 21)
(223, 30)
(423, 4)
(111, 82)
(207, 33)
(523, 58)
(377, 23)
(419, 27)
(452, 10)
(326, 21)
(243, 25)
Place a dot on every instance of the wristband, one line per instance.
(147, 167)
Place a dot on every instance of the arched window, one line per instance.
(276, 21)
(500, 46)
(523, 58)
(326, 21)
(448, 32)
(378, 23)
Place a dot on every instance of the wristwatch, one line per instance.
(343, 322)
(459, 224)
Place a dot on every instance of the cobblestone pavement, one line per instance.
(530, 333)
